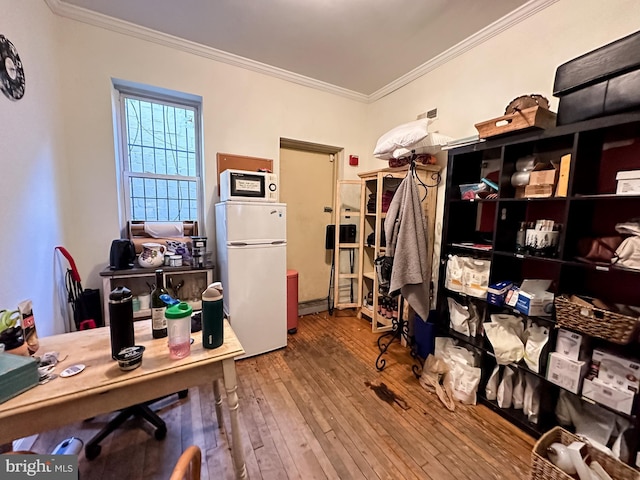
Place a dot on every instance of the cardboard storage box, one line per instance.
(533, 298)
(602, 82)
(565, 372)
(543, 174)
(628, 182)
(619, 400)
(616, 371)
(538, 191)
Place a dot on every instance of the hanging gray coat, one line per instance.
(406, 233)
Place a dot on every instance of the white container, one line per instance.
(565, 372)
(617, 372)
(628, 182)
(569, 344)
(175, 261)
(620, 400)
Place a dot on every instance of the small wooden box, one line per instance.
(538, 191)
(533, 117)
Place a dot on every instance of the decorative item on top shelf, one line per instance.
(527, 111)
(543, 469)
(595, 318)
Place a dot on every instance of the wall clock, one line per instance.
(11, 71)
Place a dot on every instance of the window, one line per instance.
(160, 161)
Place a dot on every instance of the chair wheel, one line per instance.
(160, 433)
(183, 394)
(92, 451)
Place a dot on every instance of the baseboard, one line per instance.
(312, 306)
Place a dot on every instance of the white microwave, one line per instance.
(241, 185)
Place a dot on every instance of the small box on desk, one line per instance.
(543, 174)
(17, 374)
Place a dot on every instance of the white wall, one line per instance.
(57, 150)
(477, 85)
(243, 113)
(32, 165)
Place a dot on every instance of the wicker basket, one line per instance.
(595, 322)
(543, 469)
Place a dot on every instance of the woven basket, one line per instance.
(595, 322)
(543, 469)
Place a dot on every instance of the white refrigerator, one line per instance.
(252, 260)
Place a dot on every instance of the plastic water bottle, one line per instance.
(212, 316)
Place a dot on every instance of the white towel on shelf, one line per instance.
(164, 229)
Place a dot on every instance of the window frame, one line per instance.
(124, 174)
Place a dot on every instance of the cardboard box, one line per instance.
(619, 400)
(616, 371)
(566, 373)
(571, 344)
(538, 191)
(563, 177)
(533, 298)
(628, 182)
(544, 174)
(497, 292)
(511, 297)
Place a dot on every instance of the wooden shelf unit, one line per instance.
(376, 182)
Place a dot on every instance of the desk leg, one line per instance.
(218, 399)
(231, 386)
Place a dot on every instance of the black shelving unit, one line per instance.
(598, 148)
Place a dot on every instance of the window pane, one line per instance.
(161, 143)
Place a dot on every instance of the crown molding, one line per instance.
(80, 14)
(518, 15)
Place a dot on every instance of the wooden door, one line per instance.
(307, 182)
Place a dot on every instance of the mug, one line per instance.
(542, 242)
(145, 301)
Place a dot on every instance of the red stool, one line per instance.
(292, 301)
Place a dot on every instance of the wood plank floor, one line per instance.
(306, 412)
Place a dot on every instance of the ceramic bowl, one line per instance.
(130, 358)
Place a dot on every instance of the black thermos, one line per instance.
(121, 319)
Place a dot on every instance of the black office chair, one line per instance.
(142, 410)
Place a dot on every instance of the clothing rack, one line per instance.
(400, 325)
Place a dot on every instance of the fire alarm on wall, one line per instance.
(353, 160)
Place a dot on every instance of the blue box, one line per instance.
(425, 335)
(497, 292)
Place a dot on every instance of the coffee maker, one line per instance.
(199, 247)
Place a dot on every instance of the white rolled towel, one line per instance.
(164, 229)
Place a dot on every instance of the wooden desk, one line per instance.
(102, 387)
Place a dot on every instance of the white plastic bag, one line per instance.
(507, 346)
(465, 380)
(459, 317)
(505, 389)
(455, 268)
(491, 390)
(537, 338)
(475, 277)
(518, 390)
(531, 407)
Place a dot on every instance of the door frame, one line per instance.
(307, 308)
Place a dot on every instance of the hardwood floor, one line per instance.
(307, 412)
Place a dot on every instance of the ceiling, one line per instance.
(360, 46)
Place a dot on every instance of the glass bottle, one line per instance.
(158, 320)
(520, 237)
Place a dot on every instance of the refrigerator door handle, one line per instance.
(278, 242)
(238, 244)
